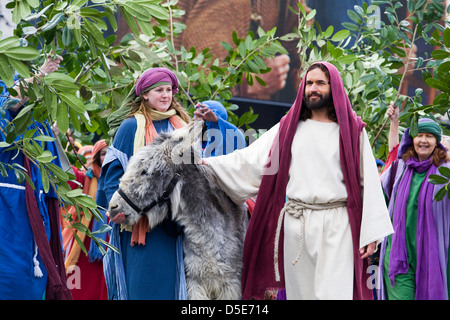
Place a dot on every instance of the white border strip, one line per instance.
(9, 185)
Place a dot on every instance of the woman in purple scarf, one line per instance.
(414, 260)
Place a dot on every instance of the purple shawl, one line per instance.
(258, 276)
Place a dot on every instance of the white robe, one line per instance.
(325, 268)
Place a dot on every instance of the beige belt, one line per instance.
(296, 208)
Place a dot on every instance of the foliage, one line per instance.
(98, 72)
(443, 179)
(370, 52)
(371, 56)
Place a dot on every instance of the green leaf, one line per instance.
(39, 14)
(86, 201)
(33, 3)
(74, 193)
(130, 20)
(350, 26)
(347, 59)
(54, 76)
(311, 15)
(80, 227)
(20, 67)
(20, 176)
(445, 171)
(440, 54)
(24, 111)
(62, 117)
(73, 102)
(44, 178)
(22, 53)
(440, 194)
(44, 138)
(156, 10)
(10, 42)
(66, 36)
(53, 22)
(103, 228)
(446, 37)
(340, 35)
(242, 50)
(437, 179)
(30, 182)
(414, 126)
(354, 16)
(5, 71)
(57, 171)
(29, 30)
(45, 157)
(437, 84)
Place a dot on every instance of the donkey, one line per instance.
(166, 173)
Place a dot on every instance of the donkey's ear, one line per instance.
(183, 139)
(189, 133)
(195, 130)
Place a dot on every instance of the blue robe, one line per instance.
(222, 137)
(18, 251)
(144, 272)
(232, 138)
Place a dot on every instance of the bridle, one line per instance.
(164, 198)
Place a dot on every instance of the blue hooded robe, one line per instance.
(22, 272)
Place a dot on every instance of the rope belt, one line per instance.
(296, 209)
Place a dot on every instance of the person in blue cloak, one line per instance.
(31, 261)
(219, 136)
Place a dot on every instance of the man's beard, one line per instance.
(322, 102)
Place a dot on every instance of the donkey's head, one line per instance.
(154, 176)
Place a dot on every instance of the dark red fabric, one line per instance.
(79, 177)
(51, 253)
(92, 284)
(392, 156)
(258, 272)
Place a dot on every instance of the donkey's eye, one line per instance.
(180, 154)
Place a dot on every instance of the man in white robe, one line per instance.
(318, 250)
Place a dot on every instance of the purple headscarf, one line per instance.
(156, 75)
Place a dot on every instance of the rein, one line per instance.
(164, 198)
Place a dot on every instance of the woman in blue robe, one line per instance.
(150, 264)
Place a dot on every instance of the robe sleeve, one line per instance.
(376, 223)
(239, 173)
(222, 138)
(113, 170)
